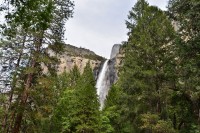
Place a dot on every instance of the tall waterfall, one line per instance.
(102, 84)
(107, 76)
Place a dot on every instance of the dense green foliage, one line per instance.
(31, 27)
(78, 108)
(158, 89)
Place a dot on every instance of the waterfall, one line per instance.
(102, 84)
(107, 76)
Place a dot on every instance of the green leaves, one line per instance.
(29, 30)
(151, 122)
(149, 53)
(78, 108)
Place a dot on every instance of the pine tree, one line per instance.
(78, 107)
(83, 114)
(186, 105)
(148, 66)
(66, 83)
(111, 111)
(27, 34)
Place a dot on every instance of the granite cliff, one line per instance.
(80, 57)
(77, 56)
(115, 62)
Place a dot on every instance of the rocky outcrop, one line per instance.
(109, 74)
(80, 57)
(115, 63)
(119, 59)
(67, 62)
(77, 56)
(115, 50)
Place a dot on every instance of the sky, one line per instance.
(99, 24)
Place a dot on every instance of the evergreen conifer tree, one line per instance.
(82, 111)
(186, 100)
(148, 65)
(29, 30)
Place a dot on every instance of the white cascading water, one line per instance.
(107, 76)
(102, 85)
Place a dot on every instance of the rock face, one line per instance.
(77, 56)
(67, 62)
(80, 57)
(108, 74)
(115, 50)
(115, 62)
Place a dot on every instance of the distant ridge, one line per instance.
(82, 52)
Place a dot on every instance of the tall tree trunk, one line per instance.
(25, 94)
(23, 102)
(5, 124)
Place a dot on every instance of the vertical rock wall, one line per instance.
(114, 63)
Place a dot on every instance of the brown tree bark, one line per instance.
(23, 102)
(5, 124)
(25, 94)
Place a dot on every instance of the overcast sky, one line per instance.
(98, 24)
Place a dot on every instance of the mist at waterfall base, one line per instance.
(107, 76)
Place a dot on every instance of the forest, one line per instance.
(158, 86)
